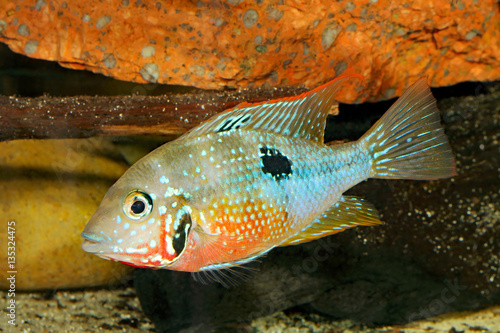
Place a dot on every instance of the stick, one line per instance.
(84, 116)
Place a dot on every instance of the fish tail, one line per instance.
(408, 142)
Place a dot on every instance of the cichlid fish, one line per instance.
(259, 176)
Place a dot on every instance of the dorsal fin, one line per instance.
(302, 116)
(348, 212)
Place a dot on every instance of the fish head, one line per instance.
(142, 220)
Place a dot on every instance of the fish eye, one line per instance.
(137, 205)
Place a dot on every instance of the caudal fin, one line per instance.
(408, 142)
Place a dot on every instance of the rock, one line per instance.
(484, 320)
(90, 310)
(437, 252)
(51, 189)
(291, 276)
(367, 288)
(212, 45)
(118, 309)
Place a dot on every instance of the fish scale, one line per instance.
(259, 176)
(313, 182)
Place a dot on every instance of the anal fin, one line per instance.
(346, 213)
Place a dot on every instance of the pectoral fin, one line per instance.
(348, 212)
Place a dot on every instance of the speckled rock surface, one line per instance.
(106, 310)
(216, 44)
(437, 252)
(52, 189)
(484, 321)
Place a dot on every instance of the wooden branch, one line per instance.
(83, 116)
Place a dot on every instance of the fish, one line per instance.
(259, 176)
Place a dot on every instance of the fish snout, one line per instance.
(92, 243)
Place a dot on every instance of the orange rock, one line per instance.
(235, 43)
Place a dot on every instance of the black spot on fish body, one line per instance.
(234, 123)
(275, 163)
(181, 233)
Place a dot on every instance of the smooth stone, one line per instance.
(51, 189)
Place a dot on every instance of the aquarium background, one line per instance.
(437, 253)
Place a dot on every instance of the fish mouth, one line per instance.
(100, 246)
(92, 243)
